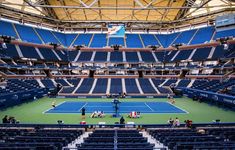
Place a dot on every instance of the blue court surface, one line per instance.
(108, 107)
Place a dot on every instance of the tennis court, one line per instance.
(108, 107)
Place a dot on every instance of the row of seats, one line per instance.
(217, 86)
(18, 85)
(115, 86)
(16, 91)
(40, 68)
(199, 54)
(139, 86)
(15, 51)
(118, 85)
(29, 139)
(214, 138)
(115, 139)
(41, 36)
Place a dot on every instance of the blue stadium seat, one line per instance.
(146, 86)
(126, 140)
(171, 38)
(219, 52)
(63, 54)
(203, 35)
(132, 57)
(201, 54)
(163, 90)
(116, 57)
(47, 36)
(85, 86)
(11, 51)
(157, 82)
(169, 82)
(48, 54)
(190, 139)
(100, 57)
(27, 34)
(83, 39)
(101, 86)
(224, 33)
(72, 55)
(39, 139)
(230, 53)
(61, 37)
(85, 56)
(67, 90)
(133, 41)
(70, 38)
(131, 86)
(183, 55)
(185, 37)
(160, 55)
(115, 86)
(147, 56)
(183, 83)
(167, 40)
(149, 39)
(99, 40)
(116, 41)
(74, 81)
(62, 82)
(169, 55)
(29, 52)
(6, 28)
(48, 83)
(162, 39)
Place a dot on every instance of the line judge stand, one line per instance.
(116, 103)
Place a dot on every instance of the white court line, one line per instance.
(148, 106)
(83, 106)
(178, 107)
(44, 112)
(112, 106)
(107, 112)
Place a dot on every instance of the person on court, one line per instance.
(53, 104)
(172, 100)
(83, 113)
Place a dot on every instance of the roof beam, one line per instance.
(158, 10)
(116, 7)
(38, 2)
(50, 11)
(132, 12)
(32, 5)
(62, 2)
(183, 12)
(100, 13)
(120, 8)
(203, 3)
(88, 6)
(226, 2)
(144, 6)
(167, 10)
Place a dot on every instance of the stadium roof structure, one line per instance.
(95, 14)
